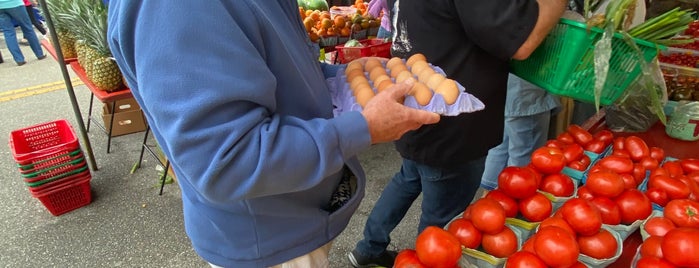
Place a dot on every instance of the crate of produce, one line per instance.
(66, 197)
(564, 63)
(39, 140)
(369, 48)
(679, 68)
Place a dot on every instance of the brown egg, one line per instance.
(376, 72)
(353, 65)
(393, 61)
(415, 58)
(383, 85)
(359, 80)
(419, 66)
(425, 75)
(372, 63)
(397, 69)
(449, 90)
(354, 73)
(403, 75)
(380, 79)
(363, 96)
(360, 88)
(434, 80)
(422, 94)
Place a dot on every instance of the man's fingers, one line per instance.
(425, 117)
(402, 89)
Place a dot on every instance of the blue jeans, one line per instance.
(445, 194)
(383, 33)
(20, 15)
(523, 134)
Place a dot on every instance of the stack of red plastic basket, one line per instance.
(52, 165)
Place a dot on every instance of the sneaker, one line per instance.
(42, 57)
(384, 260)
(21, 63)
(23, 42)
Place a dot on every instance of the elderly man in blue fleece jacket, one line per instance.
(237, 100)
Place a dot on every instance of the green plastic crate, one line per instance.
(564, 63)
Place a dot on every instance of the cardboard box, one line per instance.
(128, 117)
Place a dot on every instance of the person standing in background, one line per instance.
(380, 8)
(528, 111)
(14, 9)
(473, 42)
(30, 11)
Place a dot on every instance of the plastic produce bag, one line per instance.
(642, 103)
(684, 122)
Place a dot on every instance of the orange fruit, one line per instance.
(339, 21)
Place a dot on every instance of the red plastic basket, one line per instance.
(47, 160)
(67, 197)
(370, 48)
(60, 179)
(42, 139)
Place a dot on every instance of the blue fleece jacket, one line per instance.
(237, 100)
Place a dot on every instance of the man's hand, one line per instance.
(389, 119)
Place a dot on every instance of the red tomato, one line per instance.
(633, 205)
(467, 234)
(596, 146)
(537, 175)
(617, 164)
(488, 216)
(692, 185)
(581, 216)
(548, 160)
(657, 196)
(558, 184)
(618, 143)
(578, 264)
(683, 213)
(467, 213)
(436, 247)
(584, 193)
(407, 258)
(585, 160)
(508, 203)
(659, 171)
(604, 183)
(674, 188)
(653, 262)
(558, 222)
(629, 181)
(658, 226)
(502, 244)
(638, 173)
(689, 165)
(694, 176)
(649, 163)
(651, 247)
(680, 247)
(565, 137)
(517, 182)
(528, 245)
(608, 210)
(556, 247)
(674, 168)
(556, 144)
(577, 165)
(637, 148)
(525, 259)
(601, 245)
(580, 135)
(657, 153)
(604, 135)
(535, 208)
(621, 152)
(572, 152)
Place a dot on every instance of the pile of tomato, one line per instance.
(571, 222)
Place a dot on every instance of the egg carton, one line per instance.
(344, 101)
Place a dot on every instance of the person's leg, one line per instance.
(526, 133)
(447, 192)
(389, 210)
(383, 33)
(8, 30)
(20, 15)
(495, 162)
(39, 26)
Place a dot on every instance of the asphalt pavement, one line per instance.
(127, 224)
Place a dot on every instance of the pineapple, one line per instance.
(89, 19)
(66, 38)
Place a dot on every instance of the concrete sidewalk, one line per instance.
(127, 224)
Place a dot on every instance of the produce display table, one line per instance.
(52, 51)
(655, 136)
(102, 96)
